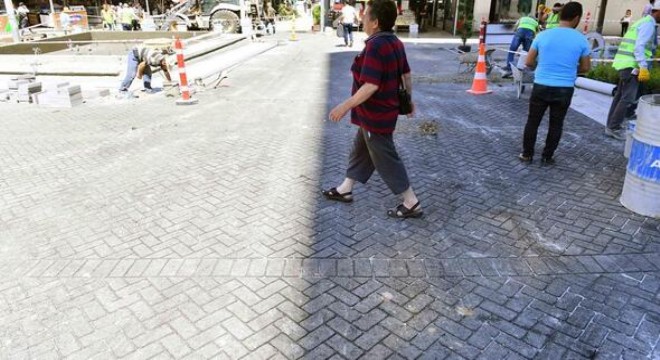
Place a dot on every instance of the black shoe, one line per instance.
(615, 133)
(524, 158)
(333, 194)
(548, 161)
(402, 212)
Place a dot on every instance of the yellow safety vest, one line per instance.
(553, 21)
(528, 23)
(625, 56)
(107, 16)
(127, 16)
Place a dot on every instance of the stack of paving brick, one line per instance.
(60, 95)
(26, 90)
(20, 88)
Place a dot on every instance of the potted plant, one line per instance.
(316, 17)
(466, 33)
(466, 9)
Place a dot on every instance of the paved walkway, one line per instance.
(144, 230)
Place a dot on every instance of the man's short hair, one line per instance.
(384, 11)
(570, 11)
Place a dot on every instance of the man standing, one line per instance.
(127, 17)
(22, 12)
(552, 21)
(65, 20)
(527, 28)
(140, 61)
(108, 17)
(558, 55)
(270, 17)
(632, 62)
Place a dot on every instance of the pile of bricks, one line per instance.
(21, 89)
(60, 95)
(26, 90)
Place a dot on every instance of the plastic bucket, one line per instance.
(413, 30)
(641, 187)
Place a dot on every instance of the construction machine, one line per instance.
(216, 15)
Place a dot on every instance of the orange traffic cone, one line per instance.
(480, 83)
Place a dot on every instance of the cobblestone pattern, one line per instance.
(149, 231)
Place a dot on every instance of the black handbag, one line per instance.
(405, 100)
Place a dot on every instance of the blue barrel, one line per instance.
(641, 188)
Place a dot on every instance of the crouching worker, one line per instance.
(140, 61)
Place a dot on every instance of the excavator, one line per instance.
(215, 15)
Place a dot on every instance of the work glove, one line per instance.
(644, 75)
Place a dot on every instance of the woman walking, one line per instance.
(347, 18)
(374, 106)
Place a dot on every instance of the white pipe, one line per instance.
(594, 85)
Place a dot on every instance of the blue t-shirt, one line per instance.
(559, 52)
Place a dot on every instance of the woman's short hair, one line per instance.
(384, 11)
(570, 11)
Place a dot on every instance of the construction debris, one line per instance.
(429, 128)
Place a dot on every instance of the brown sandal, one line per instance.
(333, 194)
(402, 212)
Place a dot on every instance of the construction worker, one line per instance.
(558, 56)
(140, 61)
(552, 20)
(527, 28)
(108, 17)
(22, 12)
(632, 61)
(127, 17)
(648, 8)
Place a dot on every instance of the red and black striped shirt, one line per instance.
(381, 63)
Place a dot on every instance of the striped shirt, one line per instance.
(379, 64)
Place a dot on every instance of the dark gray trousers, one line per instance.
(377, 152)
(625, 96)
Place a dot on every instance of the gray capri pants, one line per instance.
(373, 151)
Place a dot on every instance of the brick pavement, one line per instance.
(149, 231)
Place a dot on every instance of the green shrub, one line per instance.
(316, 14)
(606, 73)
(654, 84)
